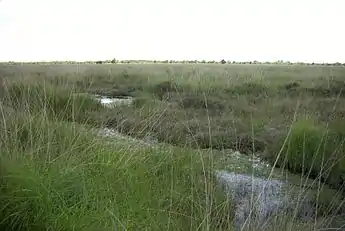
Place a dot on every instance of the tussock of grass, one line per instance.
(314, 151)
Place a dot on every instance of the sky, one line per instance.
(240, 30)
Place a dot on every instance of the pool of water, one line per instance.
(114, 102)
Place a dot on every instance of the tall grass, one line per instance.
(316, 151)
(57, 175)
(53, 100)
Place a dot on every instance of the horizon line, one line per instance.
(172, 61)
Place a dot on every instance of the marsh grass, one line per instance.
(56, 102)
(57, 176)
(315, 151)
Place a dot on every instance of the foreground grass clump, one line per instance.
(315, 151)
(55, 175)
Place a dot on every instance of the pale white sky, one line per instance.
(265, 30)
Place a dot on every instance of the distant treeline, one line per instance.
(115, 61)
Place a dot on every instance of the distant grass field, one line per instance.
(56, 176)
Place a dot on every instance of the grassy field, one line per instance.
(56, 175)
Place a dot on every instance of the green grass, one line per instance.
(314, 151)
(58, 103)
(59, 176)
(56, 175)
